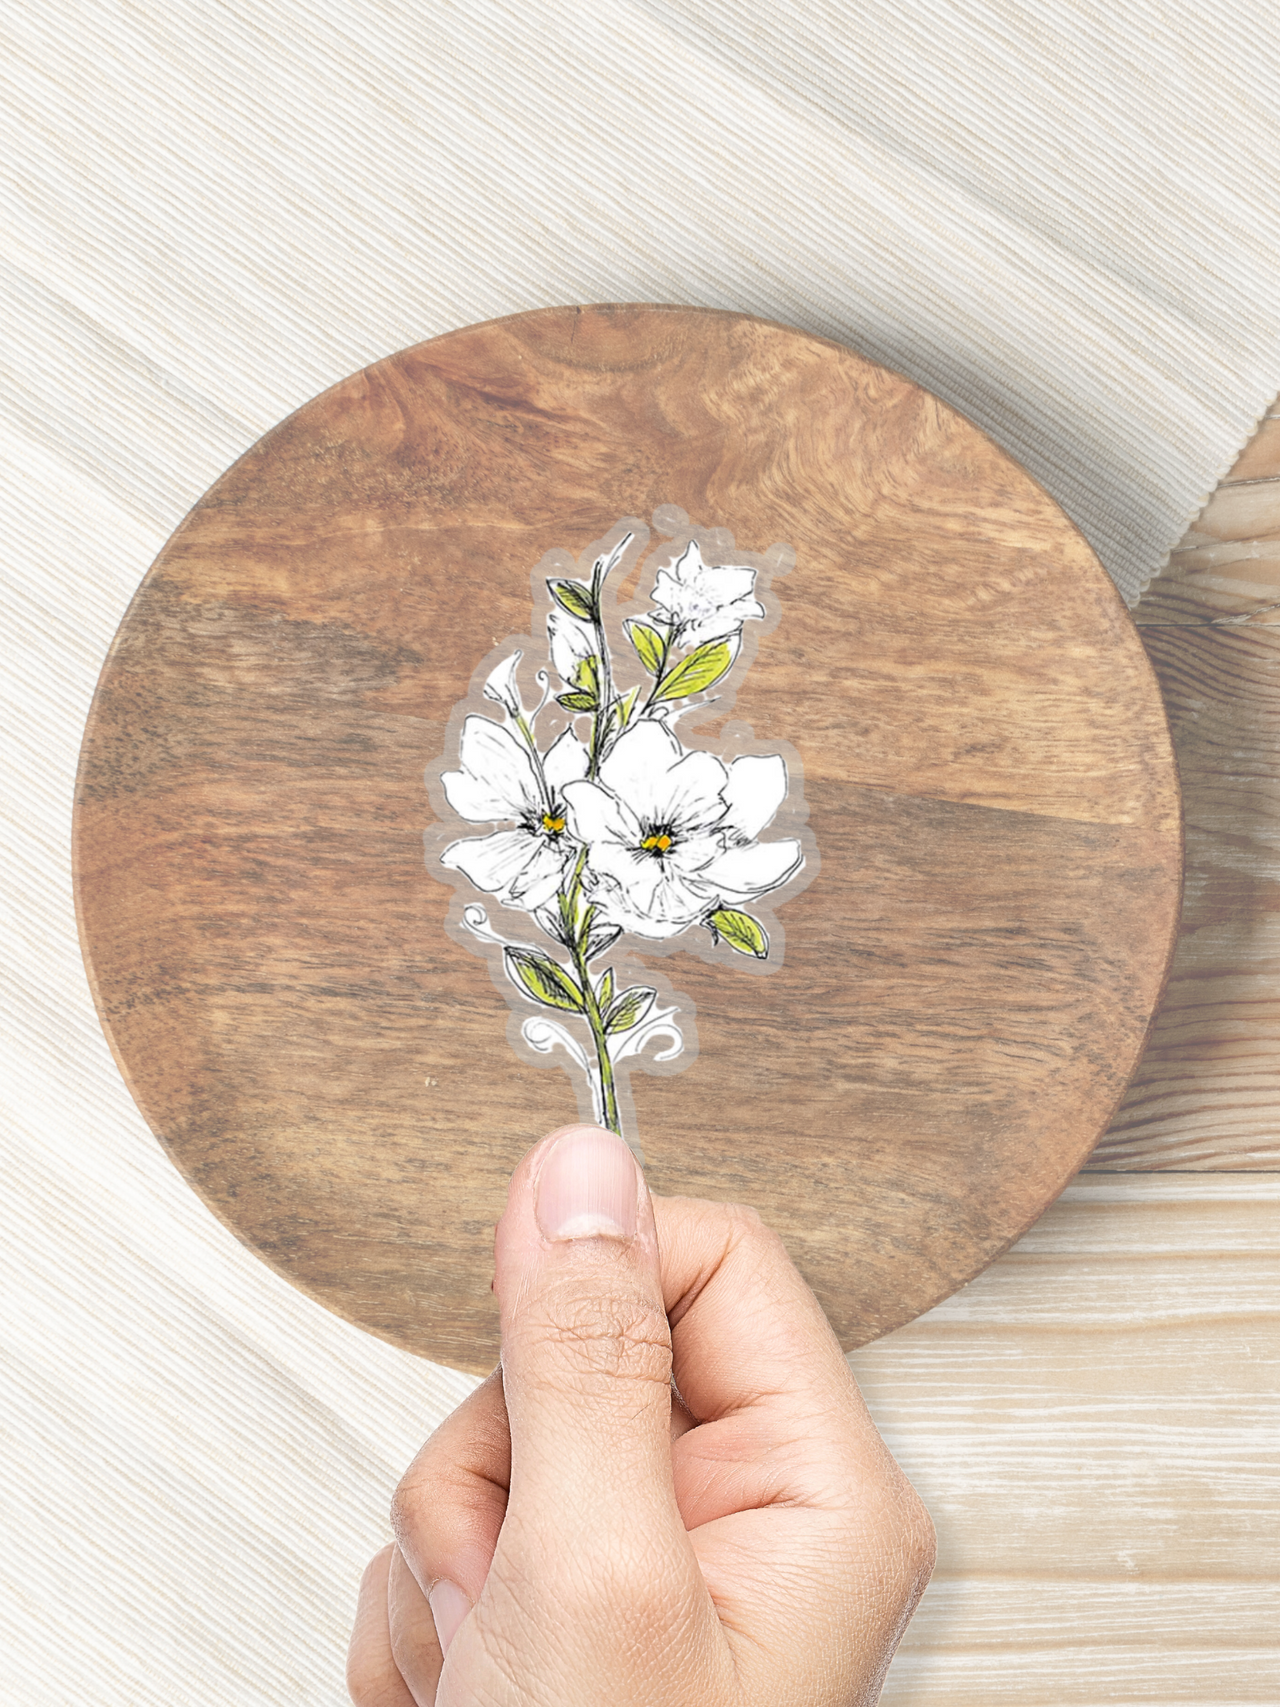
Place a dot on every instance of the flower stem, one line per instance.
(536, 756)
(604, 567)
(575, 935)
(604, 690)
(577, 930)
(595, 1019)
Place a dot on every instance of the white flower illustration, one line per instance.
(670, 833)
(754, 789)
(703, 601)
(498, 782)
(571, 642)
(500, 684)
(626, 829)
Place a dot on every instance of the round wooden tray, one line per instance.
(967, 982)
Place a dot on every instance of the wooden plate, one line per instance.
(967, 982)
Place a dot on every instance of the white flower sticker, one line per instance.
(701, 601)
(500, 781)
(613, 827)
(571, 644)
(662, 850)
(500, 685)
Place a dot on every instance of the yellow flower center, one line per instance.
(657, 844)
(553, 826)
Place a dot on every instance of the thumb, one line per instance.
(586, 1361)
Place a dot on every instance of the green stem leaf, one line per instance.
(743, 933)
(574, 597)
(630, 1008)
(701, 670)
(650, 646)
(543, 980)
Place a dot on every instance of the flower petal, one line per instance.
(637, 765)
(753, 870)
(755, 789)
(543, 875)
(694, 854)
(638, 876)
(613, 903)
(728, 582)
(566, 760)
(496, 780)
(705, 601)
(692, 794)
(520, 867)
(723, 624)
(680, 900)
(571, 642)
(597, 815)
(494, 862)
(500, 685)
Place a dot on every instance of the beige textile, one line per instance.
(1060, 215)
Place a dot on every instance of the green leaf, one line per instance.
(651, 647)
(574, 597)
(586, 676)
(539, 977)
(620, 714)
(600, 938)
(552, 922)
(566, 918)
(577, 701)
(701, 670)
(604, 991)
(629, 1009)
(739, 930)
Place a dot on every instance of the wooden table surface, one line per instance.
(1095, 1421)
(1063, 218)
(967, 982)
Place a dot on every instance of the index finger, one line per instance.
(749, 1339)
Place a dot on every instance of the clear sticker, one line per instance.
(586, 826)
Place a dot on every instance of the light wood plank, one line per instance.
(1226, 569)
(992, 791)
(1206, 1093)
(1094, 1424)
(1260, 458)
(1207, 1090)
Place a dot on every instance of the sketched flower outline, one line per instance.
(496, 782)
(702, 601)
(663, 847)
(626, 829)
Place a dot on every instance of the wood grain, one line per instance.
(1226, 569)
(1207, 1091)
(1092, 1424)
(966, 984)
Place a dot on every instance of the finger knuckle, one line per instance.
(428, 1489)
(748, 1232)
(626, 1593)
(408, 1505)
(919, 1536)
(420, 1490)
(908, 1541)
(424, 1495)
(368, 1683)
(607, 1339)
(760, 1249)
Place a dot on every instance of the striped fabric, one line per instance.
(1060, 215)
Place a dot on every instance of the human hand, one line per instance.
(575, 1533)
